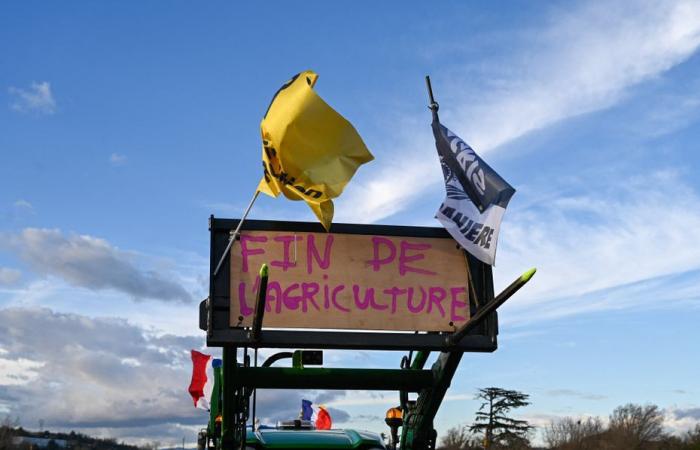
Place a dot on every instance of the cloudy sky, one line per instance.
(123, 126)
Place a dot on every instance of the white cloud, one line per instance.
(9, 276)
(23, 204)
(109, 377)
(585, 59)
(681, 420)
(65, 359)
(607, 248)
(37, 99)
(383, 195)
(92, 263)
(117, 159)
(18, 372)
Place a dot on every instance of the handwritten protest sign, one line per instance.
(350, 281)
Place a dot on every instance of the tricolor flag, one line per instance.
(202, 383)
(321, 418)
(476, 195)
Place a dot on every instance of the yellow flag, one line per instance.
(310, 152)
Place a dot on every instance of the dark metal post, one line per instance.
(229, 398)
(335, 378)
(487, 309)
(418, 432)
(433, 104)
(420, 360)
(434, 107)
(259, 305)
(255, 391)
(211, 284)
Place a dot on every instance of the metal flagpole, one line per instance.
(234, 235)
(433, 104)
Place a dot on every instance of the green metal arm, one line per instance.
(321, 378)
(417, 432)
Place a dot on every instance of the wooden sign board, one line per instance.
(350, 281)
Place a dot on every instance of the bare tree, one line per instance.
(636, 427)
(153, 445)
(458, 438)
(501, 431)
(692, 438)
(574, 434)
(6, 434)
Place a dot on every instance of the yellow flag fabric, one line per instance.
(310, 152)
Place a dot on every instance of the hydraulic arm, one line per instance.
(418, 432)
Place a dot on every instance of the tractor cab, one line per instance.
(307, 439)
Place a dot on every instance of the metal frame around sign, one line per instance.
(214, 312)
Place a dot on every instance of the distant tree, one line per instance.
(9, 430)
(512, 441)
(574, 434)
(501, 431)
(671, 443)
(155, 445)
(636, 427)
(458, 438)
(692, 439)
(6, 434)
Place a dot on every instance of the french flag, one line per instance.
(322, 417)
(202, 383)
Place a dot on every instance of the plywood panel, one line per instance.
(350, 281)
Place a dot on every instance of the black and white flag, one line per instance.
(476, 199)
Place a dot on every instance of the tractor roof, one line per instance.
(314, 439)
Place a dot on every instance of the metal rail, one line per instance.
(322, 378)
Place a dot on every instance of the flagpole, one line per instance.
(234, 235)
(434, 106)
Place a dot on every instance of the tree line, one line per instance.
(629, 427)
(11, 435)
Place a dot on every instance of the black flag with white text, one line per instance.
(476, 195)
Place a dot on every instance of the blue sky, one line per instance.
(123, 126)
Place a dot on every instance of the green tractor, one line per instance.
(304, 437)
(420, 390)
(313, 439)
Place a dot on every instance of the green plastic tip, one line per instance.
(527, 275)
(263, 270)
